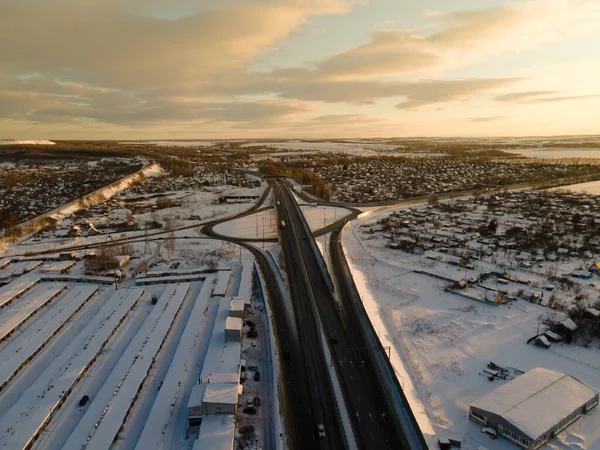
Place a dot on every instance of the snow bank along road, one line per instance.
(25, 346)
(23, 423)
(107, 412)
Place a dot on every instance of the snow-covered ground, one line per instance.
(441, 342)
(334, 147)
(561, 153)
(262, 225)
(592, 187)
(173, 143)
(26, 142)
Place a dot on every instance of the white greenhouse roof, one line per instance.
(536, 401)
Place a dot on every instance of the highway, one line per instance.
(373, 421)
(356, 318)
(323, 406)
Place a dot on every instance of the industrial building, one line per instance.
(534, 407)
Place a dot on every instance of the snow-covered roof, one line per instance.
(233, 323)
(220, 288)
(196, 395)
(536, 401)
(236, 304)
(568, 323)
(224, 393)
(491, 296)
(223, 377)
(216, 432)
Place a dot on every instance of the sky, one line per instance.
(245, 69)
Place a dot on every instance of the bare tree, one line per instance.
(170, 244)
(212, 264)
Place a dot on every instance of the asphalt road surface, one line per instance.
(372, 420)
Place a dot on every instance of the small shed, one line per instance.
(220, 398)
(493, 297)
(541, 341)
(233, 329)
(552, 337)
(582, 274)
(592, 312)
(236, 308)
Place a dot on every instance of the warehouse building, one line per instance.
(534, 407)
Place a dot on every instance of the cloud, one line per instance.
(520, 96)
(102, 43)
(388, 52)
(142, 63)
(433, 92)
(432, 13)
(486, 119)
(561, 98)
(531, 97)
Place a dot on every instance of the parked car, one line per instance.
(250, 323)
(252, 367)
(257, 376)
(256, 401)
(250, 410)
(490, 432)
(252, 334)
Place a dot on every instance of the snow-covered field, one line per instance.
(26, 142)
(592, 187)
(442, 342)
(357, 148)
(173, 143)
(557, 152)
(263, 225)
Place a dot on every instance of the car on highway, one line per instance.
(321, 431)
(84, 400)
